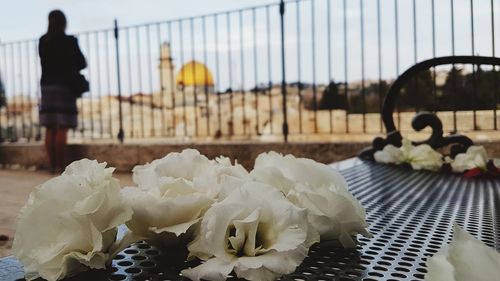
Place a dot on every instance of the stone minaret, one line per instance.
(167, 73)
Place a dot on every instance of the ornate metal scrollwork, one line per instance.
(458, 143)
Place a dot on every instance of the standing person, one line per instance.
(61, 84)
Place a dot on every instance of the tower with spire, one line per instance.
(167, 78)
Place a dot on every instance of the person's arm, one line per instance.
(79, 59)
(40, 51)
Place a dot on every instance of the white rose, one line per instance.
(70, 222)
(464, 259)
(254, 231)
(420, 157)
(474, 157)
(175, 191)
(191, 166)
(173, 207)
(333, 211)
(185, 165)
(390, 155)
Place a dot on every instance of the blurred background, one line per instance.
(201, 71)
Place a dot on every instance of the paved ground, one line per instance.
(15, 187)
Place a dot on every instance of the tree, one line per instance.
(454, 96)
(332, 99)
(417, 93)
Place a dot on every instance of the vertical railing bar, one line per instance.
(216, 33)
(299, 65)
(269, 70)
(2, 59)
(129, 78)
(346, 83)
(162, 82)
(172, 82)
(20, 108)
(108, 82)
(150, 72)
(313, 60)
(283, 72)
(91, 90)
(329, 47)
(183, 86)
(495, 88)
(205, 61)
(139, 76)
(396, 25)
(474, 68)
(21, 88)
(99, 90)
(242, 60)
(415, 54)
(18, 76)
(14, 88)
(363, 91)
(8, 89)
(379, 53)
(452, 8)
(230, 75)
(434, 86)
(121, 134)
(7, 78)
(195, 86)
(29, 89)
(256, 79)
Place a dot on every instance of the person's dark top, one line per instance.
(61, 59)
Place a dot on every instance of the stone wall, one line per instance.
(125, 157)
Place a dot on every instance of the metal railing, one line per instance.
(302, 67)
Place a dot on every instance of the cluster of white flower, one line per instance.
(475, 157)
(424, 157)
(257, 224)
(420, 157)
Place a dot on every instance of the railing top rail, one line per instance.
(169, 21)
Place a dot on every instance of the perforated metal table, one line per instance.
(410, 214)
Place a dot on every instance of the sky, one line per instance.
(26, 19)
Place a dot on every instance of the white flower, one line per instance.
(464, 259)
(496, 162)
(191, 166)
(390, 155)
(420, 157)
(173, 206)
(175, 191)
(254, 231)
(333, 211)
(474, 157)
(70, 222)
(185, 165)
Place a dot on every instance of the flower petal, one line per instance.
(212, 270)
(464, 259)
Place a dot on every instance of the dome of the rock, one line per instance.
(195, 74)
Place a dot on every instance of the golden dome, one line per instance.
(194, 73)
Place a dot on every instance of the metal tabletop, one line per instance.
(410, 214)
